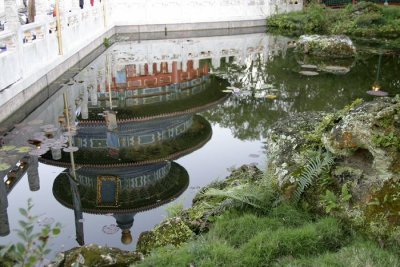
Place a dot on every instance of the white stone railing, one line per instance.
(9, 59)
(35, 45)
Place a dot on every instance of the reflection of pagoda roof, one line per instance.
(192, 139)
(129, 200)
(201, 101)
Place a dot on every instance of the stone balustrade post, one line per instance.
(42, 9)
(75, 5)
(86, 4)
(11, 14)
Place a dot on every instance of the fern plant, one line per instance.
(315, 165)
(258, 194)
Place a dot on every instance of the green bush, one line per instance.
(364, 19)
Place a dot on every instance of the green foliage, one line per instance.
(34, 246)
(260, 194)
(313, 19)
(359, 254)
(197, 253)
(310, 239)
(311, 171)
(331, 202)
(106, 42)
(237, 228)
(330, 120)
(174, 209)
(387, 140)
(365, 19)
(170, 232)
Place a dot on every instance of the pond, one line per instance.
(149, 122)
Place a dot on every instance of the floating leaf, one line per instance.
(56, 231)
(4, 166)
(23, 149)
(71, 149)
(7, 148)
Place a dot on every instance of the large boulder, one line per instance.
(362, 184)
(368, 140)
(334, 46)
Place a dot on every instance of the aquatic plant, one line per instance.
(106, 42)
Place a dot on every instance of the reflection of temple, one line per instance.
(134, 133)
(128, 138)
(122, 192)
(28, 164)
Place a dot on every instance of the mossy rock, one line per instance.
(334, 46)
(95, 255)
(172, 231)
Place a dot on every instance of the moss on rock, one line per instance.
(172, 231)
(95, 255)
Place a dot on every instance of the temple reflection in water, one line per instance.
(126, 135)
(132, 112)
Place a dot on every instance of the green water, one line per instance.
(250, 117)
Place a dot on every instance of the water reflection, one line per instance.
(272, 87)
(140, 106)
(120, 192)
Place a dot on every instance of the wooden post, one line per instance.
(58, 23)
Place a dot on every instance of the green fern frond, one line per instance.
(257, 195)
(312, 170)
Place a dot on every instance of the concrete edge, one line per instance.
(21, 105)
(189, 26)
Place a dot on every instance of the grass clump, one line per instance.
(237, 228)
(309, 239)
(358, 254)
(197, 253)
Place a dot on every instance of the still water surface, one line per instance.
(181, 114)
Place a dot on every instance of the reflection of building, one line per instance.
(133, 77)
(121, 192)
(28, 164)
(127, 139)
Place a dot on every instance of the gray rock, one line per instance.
(336, 46)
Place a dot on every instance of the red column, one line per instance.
(175, 76)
